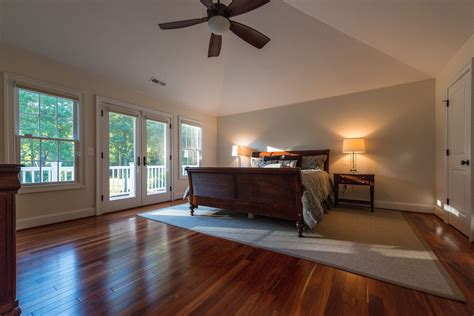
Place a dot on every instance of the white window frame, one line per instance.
(188, 121)
(12, 139)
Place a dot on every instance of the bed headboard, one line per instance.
(296, 152)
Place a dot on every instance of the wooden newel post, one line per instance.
(9, 185)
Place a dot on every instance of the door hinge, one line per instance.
(171, 188)
(101, 155)
(447, 102)
(447, 201)
(102, 197)
(101, 112)
(170, 126)
(447, 152)
(171, 157)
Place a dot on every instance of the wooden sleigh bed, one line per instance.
(272, 192)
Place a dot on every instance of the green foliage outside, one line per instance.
(122, 140)
(42, 115)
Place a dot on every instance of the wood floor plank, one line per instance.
(121, 264)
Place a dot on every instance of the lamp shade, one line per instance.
(239, 150)
(235, 151)
(353, 145)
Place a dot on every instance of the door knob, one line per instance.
(465, 162)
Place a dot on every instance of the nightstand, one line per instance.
(354, 179)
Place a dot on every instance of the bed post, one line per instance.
(300, 226)
(299, 203)
(191, 208)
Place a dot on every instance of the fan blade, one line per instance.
(248, 34)
(181, 24)
(207, 3)
(238, 7)
(215, 45)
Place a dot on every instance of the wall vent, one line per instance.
(157, 81)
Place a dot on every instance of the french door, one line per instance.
(135, 158)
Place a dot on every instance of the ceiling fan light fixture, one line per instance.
(218, 24)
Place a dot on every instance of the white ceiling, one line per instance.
(306, 59)
(421, 33)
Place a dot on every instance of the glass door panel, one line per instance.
(122, 153)
(121, 160)
(156, 153)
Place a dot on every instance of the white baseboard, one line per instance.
(409, 207)
(440, 213)
(23, 223)
(178, 196)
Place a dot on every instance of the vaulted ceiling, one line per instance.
(318, 48)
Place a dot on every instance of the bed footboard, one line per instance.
(261, 191)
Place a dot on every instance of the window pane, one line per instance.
(48, 121)
(190, 146)
(48, 126)
(30, 152)
(66, 161)
(29, 124)
(49, 161)
(65, 118)
(65, 128)
(47, 105)
(65, 108)
(29, 102)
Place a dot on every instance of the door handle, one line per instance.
(144, 161)
(138, 161)
(465, 162)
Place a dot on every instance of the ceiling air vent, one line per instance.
(154, 80)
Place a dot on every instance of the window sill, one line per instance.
(26, 189)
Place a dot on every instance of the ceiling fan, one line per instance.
(218, 16)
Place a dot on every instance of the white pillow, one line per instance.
(256, 162)
(273, 165)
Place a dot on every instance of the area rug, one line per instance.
(380, 245)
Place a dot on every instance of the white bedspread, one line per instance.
(318, 188)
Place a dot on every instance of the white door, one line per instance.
(136, 158)
(459, 163)
(156, 153)
(121, 161)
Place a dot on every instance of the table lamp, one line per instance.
(353, 146)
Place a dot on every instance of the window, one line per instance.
(47, 136)
(190, 139)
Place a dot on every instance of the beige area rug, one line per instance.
(379, 245)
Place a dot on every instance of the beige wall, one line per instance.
(398, 123)
(460, 61)
(44, 207)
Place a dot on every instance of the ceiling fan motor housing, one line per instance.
(218, 19)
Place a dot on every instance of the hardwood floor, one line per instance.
(120, 264)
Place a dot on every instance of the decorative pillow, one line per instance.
(289, 163)
(273, 165)
(313, 162)
(281, 158)
(256, 162)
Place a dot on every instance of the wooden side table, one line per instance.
(354, 179)
(9, 185)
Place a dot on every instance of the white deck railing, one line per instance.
(55, 173)
(121, 178)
